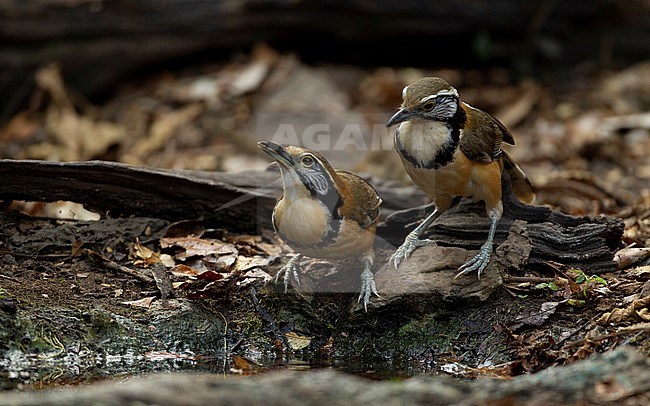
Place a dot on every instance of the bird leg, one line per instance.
(482, 259)
(290, 270)
(368, 286)
(413, 240)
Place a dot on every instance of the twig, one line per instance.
(115, 267)
(622, 331)
(526, 279)
(561, 342)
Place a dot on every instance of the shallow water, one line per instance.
(22, 371)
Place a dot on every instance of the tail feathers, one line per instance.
(521, 186)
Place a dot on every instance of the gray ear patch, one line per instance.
(318, 182)
(445, 107)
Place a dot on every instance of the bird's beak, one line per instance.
(399, 117)
(277, 152)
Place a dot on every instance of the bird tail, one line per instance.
(521, 185)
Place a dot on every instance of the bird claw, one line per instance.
(479, 262)
(410, 244)
(368, 288)
(290, 270)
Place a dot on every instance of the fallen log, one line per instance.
(244, 202)
(585, 242)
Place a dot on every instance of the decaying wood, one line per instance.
(244, 202)
(584, 242)
(241, 201)
(117, 189)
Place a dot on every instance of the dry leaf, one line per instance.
(244, 363)
(270, 249)
(519, 109)
(245, 238)
(246, 263)
(219, 264)
(184, 270)
(79, 137)
(636, 311)
(144, 255)
(167, 260)
(198, 246)
(297, 341)
(144, 302)
(211, 276)
(537, 319)
(254, 276)
(162, 129)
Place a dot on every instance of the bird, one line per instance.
(451, 149)
(324, 213)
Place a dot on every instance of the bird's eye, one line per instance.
(428, 106)
(307, 161)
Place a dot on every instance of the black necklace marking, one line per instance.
(331, 199)
(446, 154)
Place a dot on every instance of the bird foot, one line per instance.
(479, 262)
(368, 288)
(290, 270)
(411, 243)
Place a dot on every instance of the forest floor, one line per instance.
(83, 298)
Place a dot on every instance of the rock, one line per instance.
(427, 280)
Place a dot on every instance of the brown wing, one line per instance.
(363, 207)
(521, 185)
(483, 135)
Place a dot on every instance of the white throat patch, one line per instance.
(423, 139)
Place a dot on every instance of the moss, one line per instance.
(102, 326)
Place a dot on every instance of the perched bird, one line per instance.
(324, 213)
(451, 149)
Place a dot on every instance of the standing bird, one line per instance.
(451, 149)
(324, 213)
